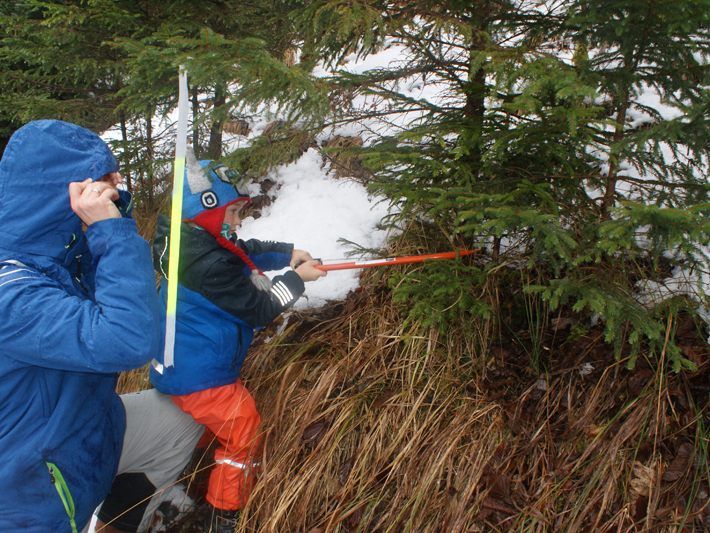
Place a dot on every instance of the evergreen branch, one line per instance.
(355, 118)
(666, 184)
(392, 94)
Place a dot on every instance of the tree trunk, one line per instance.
(473, 113)
(475, 91)
(124, 140)
(631, 62)
(495, 255)
(611, 179)
(195, 126)
(214, 148)
(150, 152)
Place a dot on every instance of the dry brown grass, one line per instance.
(372, 427)
(371, 423)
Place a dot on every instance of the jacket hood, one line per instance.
(39, 162)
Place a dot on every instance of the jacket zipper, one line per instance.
(55, 475)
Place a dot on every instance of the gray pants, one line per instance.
(157, 446)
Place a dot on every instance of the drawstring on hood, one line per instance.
(209, 192)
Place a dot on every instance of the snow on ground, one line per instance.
(692, 283)
(313, 211)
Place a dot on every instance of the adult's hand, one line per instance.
(93, 200)
(309, 272)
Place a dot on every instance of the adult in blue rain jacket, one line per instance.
(75, 308)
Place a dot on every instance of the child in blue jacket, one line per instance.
(223, 296)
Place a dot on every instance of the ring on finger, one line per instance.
(96, 190)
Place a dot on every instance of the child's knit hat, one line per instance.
(208, 191)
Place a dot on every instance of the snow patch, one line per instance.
(313, 211)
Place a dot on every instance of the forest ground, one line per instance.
(372, 424)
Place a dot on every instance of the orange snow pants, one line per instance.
(230, 413)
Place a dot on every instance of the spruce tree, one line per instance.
(55, 62)
(539, 147)
(115, 62)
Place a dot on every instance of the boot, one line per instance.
(218, 520)
(225, 522)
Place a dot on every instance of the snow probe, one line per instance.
(176, 220)
(389, 261)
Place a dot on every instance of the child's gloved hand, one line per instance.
(309, 271)
(298, 257)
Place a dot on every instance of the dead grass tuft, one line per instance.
(370, 426)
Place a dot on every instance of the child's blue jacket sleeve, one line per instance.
(116, 330)
(268, 255)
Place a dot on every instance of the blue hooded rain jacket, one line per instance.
(75, 309)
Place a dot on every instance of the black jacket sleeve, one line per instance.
(223, 278)
(225, 284)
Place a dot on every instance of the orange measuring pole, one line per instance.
(389, 261)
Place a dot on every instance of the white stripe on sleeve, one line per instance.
(285, 289)
(276, 291)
